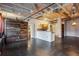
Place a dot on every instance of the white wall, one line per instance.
(57, 26)
(34, 25)
(71, 30)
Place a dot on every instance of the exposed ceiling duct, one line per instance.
(11, 15)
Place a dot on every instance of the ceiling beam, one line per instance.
(22, 7)
(67, 13)
(38, 11)
(12, 8)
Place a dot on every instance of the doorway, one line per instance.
(62, 30)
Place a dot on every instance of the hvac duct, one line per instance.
(11, 15)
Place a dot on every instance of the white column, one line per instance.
(58, 28)
(32, 30)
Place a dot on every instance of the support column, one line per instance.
(58, 33)
(32, 30)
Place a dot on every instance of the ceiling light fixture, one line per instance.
(74, 23)
(74, 11)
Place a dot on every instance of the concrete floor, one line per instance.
(37, 47)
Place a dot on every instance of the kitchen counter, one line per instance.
(45, 35)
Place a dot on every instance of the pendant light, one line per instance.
(74, 11)
(74, 24)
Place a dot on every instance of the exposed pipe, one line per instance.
(11, 15)
(38, 11)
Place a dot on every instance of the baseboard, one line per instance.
(43, 40)
(72, 36)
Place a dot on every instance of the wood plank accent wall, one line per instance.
(16, 30)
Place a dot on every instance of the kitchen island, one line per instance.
(45, 35)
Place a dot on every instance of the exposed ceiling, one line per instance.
(21, 9)
(62, 11)
(24, 9)
(40, 10)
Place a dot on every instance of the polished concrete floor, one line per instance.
(71, 46)
(37, 47)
